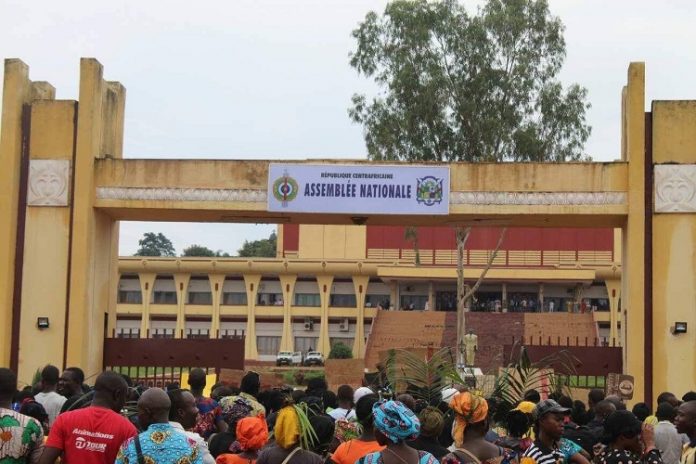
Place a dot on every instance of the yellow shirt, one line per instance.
(688, 454)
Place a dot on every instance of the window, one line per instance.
(372, 301)
(307, 299)
(130, 297)
(128, 333)
(269, 299)
(200, 298)
(413, 302)
(197, 333)
(268, 345)
(234, 298)
(162, 333)
(164, 297)
(343, 301)
(305, 344)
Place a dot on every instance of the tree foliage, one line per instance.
(153, 244)
(200, 250)
(264, 248)
(340, 351)
(455, 86)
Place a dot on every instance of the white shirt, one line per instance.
(668, 441)
(343, 413)
(202, 446)
(52, 402)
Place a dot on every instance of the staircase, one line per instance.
(404, 329)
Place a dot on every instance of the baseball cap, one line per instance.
(547, 406)
(360, 392)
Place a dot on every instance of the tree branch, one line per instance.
(488, 265)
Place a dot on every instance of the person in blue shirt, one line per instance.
(160, 443)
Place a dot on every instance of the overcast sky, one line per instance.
(270, 79)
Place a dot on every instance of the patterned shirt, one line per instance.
(21, 438)
(614, 456)
(209, 412)
(543, 455)
(376, 458)
(160, 444)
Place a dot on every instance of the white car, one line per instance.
(314, 358)
(288, 358)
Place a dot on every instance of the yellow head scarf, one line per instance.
(287, 428)
(469, 409)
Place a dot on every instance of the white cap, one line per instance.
(360, 392)
(448, 394)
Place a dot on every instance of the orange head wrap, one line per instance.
(252, 433)
(469, 409)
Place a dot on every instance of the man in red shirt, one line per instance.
(92, 435)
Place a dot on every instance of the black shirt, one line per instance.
(614, 456)
(429, 444)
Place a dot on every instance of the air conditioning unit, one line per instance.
(344, 325)
(309, 325)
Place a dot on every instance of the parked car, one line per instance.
(288, 358)
(314, 358)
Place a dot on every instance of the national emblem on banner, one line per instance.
(429, 190)
(285, 189)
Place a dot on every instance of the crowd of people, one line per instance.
(62, 420)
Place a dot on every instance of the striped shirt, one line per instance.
(543, 455)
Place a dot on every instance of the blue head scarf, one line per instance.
(396, 421)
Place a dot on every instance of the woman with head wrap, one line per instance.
(469, 432)
(252, 435)
(286, 449)
(432, 422)
(356, 447)
(232, 412)
(324, 428)
(395, 424)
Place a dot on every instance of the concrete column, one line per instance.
(614, 292)
(360, 284)
(251, 282)
(94, 233)
(324, 282)
(504, 303)
(541, 297)
(16, 93)
(673, 257)
(633, 267)
(394, 294)
(216, 283)
(147, 282)
(287, 284)
(431, 296)
(181, 281)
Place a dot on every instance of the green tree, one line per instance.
(200, 250)
(153, 244)
(461, 86)
(340, 351)
(264, 248)
(456, 86)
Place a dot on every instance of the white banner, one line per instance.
(358, 189)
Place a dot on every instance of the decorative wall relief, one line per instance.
(675, 188)
(49, 183)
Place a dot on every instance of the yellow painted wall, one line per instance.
(674, 256)
(332, 242)
(47, 236)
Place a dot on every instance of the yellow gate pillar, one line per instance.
(217, 281)
(181, 281)
(147, 283)
(94, 238)
(633, 269)
(674, 245)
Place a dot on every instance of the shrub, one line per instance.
(341, 351)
